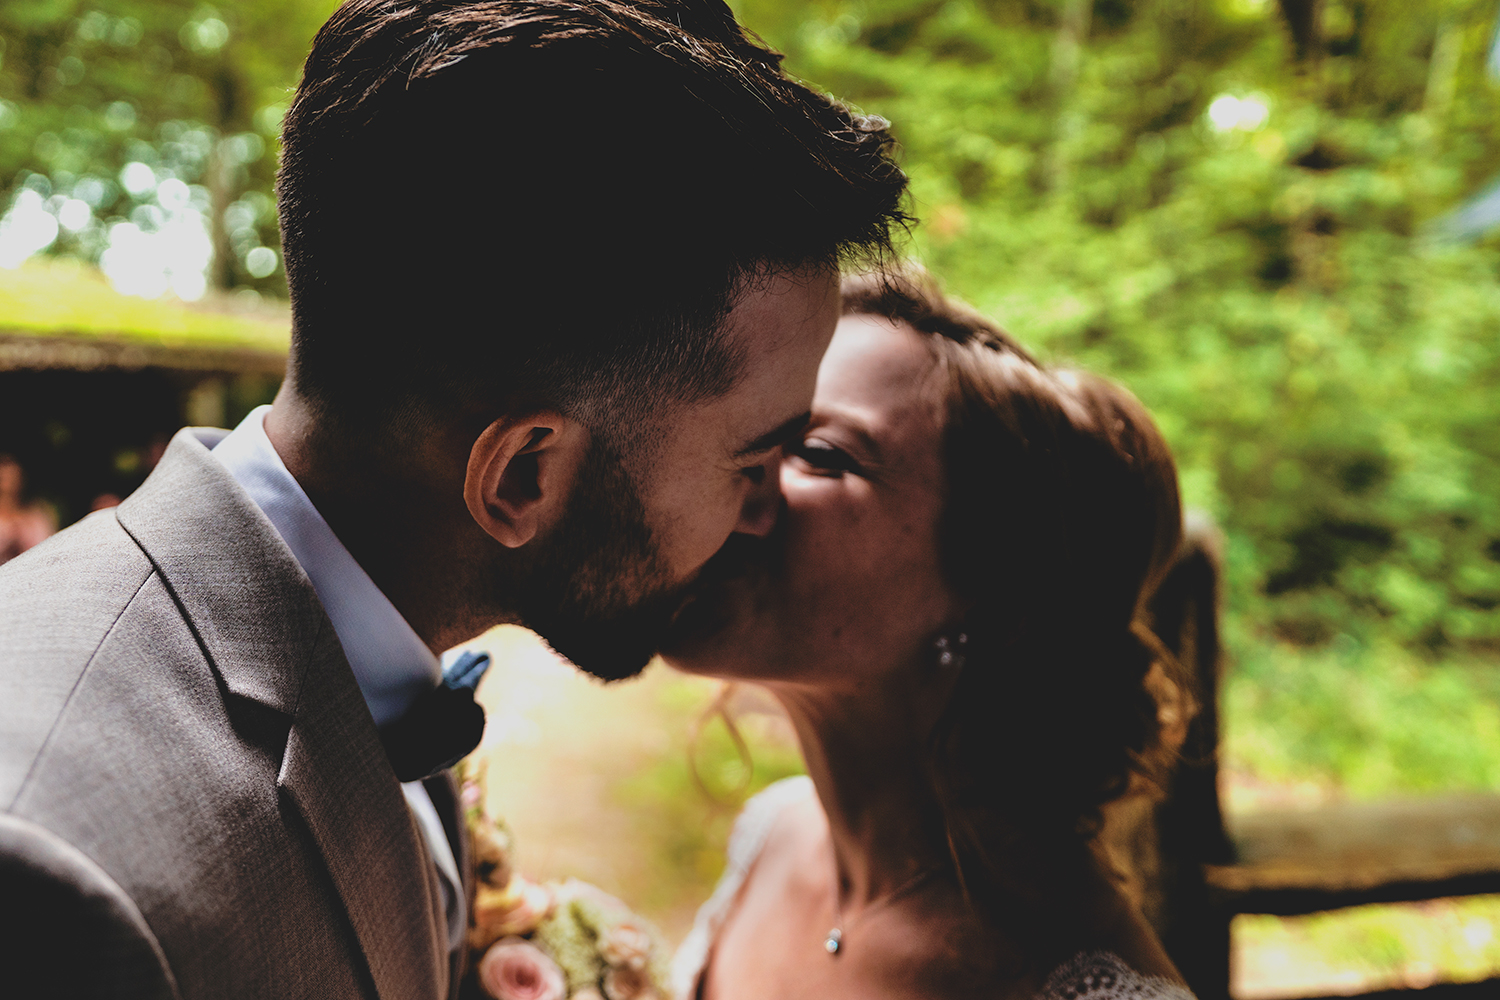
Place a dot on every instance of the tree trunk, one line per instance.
(221, 192)
(224, 174)
(1067, 51)
(1304, 18)
(1067, 45)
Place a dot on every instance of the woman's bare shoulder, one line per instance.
(762, 824)
(795, 848)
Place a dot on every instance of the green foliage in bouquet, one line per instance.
(591, 934)
(551, 941)
(572, 939)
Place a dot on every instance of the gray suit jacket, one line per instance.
(194, 801)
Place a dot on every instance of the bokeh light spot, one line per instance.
(1246, 114)
(260, 262)
(119, 116)
(74, 214)
(26, 229)
(138, 179)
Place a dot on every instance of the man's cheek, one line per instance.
(707, 538)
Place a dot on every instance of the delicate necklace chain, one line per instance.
(834, 942)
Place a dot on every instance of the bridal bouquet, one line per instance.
(555, 940)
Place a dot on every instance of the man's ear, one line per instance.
(520, 472)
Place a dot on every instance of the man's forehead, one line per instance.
(775, 436)
(780, 327)
(771, 309)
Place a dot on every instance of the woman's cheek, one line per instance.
(807, 495)
(794, 482)
(823, 512)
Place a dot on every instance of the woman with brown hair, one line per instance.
(951, 613)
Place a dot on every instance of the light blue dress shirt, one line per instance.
(390, 662)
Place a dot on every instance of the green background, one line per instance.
(1281, 289)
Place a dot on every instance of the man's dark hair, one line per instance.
(544, 202)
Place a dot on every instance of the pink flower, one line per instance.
(625, 983)
(517, 970)
(626, 943)
(471, 795)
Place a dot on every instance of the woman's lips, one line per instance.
(708, 605)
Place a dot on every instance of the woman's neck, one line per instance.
(865, 756)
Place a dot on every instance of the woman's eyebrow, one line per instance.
(776, 436)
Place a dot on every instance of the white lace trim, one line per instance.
(745, 842)
(1103, 975)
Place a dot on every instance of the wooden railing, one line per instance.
(1194, 868)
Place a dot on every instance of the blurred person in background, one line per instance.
(22, 524)
(224, 730)
(951, 613)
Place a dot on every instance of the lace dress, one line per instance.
(1090, 976)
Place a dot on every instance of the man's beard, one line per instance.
(597, 589)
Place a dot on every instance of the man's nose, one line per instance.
(763, 501)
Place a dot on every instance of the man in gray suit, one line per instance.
(561, 275)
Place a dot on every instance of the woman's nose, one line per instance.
(763, 500)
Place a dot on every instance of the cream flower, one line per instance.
(514, 969)
(626, 943)
(516, 909)
(625, 983)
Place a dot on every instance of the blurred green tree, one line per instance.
(1238, 207)
(1224, 203)
(158, 116)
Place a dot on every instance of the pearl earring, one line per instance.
(950, 652)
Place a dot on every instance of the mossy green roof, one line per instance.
(68, 299)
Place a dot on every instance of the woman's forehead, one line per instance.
(886, 373)
(872, 358)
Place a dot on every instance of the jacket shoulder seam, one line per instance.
(73, 691)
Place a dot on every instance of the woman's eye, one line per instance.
(823, 457)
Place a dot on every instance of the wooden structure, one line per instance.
(22, 350)
(93, 383)
(1196, 868)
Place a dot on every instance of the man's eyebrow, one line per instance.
(776, 436)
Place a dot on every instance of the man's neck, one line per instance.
(395, 526)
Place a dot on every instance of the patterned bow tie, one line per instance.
(442, 726)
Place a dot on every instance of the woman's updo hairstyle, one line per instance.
(1062, 515)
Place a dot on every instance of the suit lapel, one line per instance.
(336, 773)
(260, 623)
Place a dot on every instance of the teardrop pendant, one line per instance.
(834, 940)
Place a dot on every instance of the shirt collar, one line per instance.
(390, 662)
